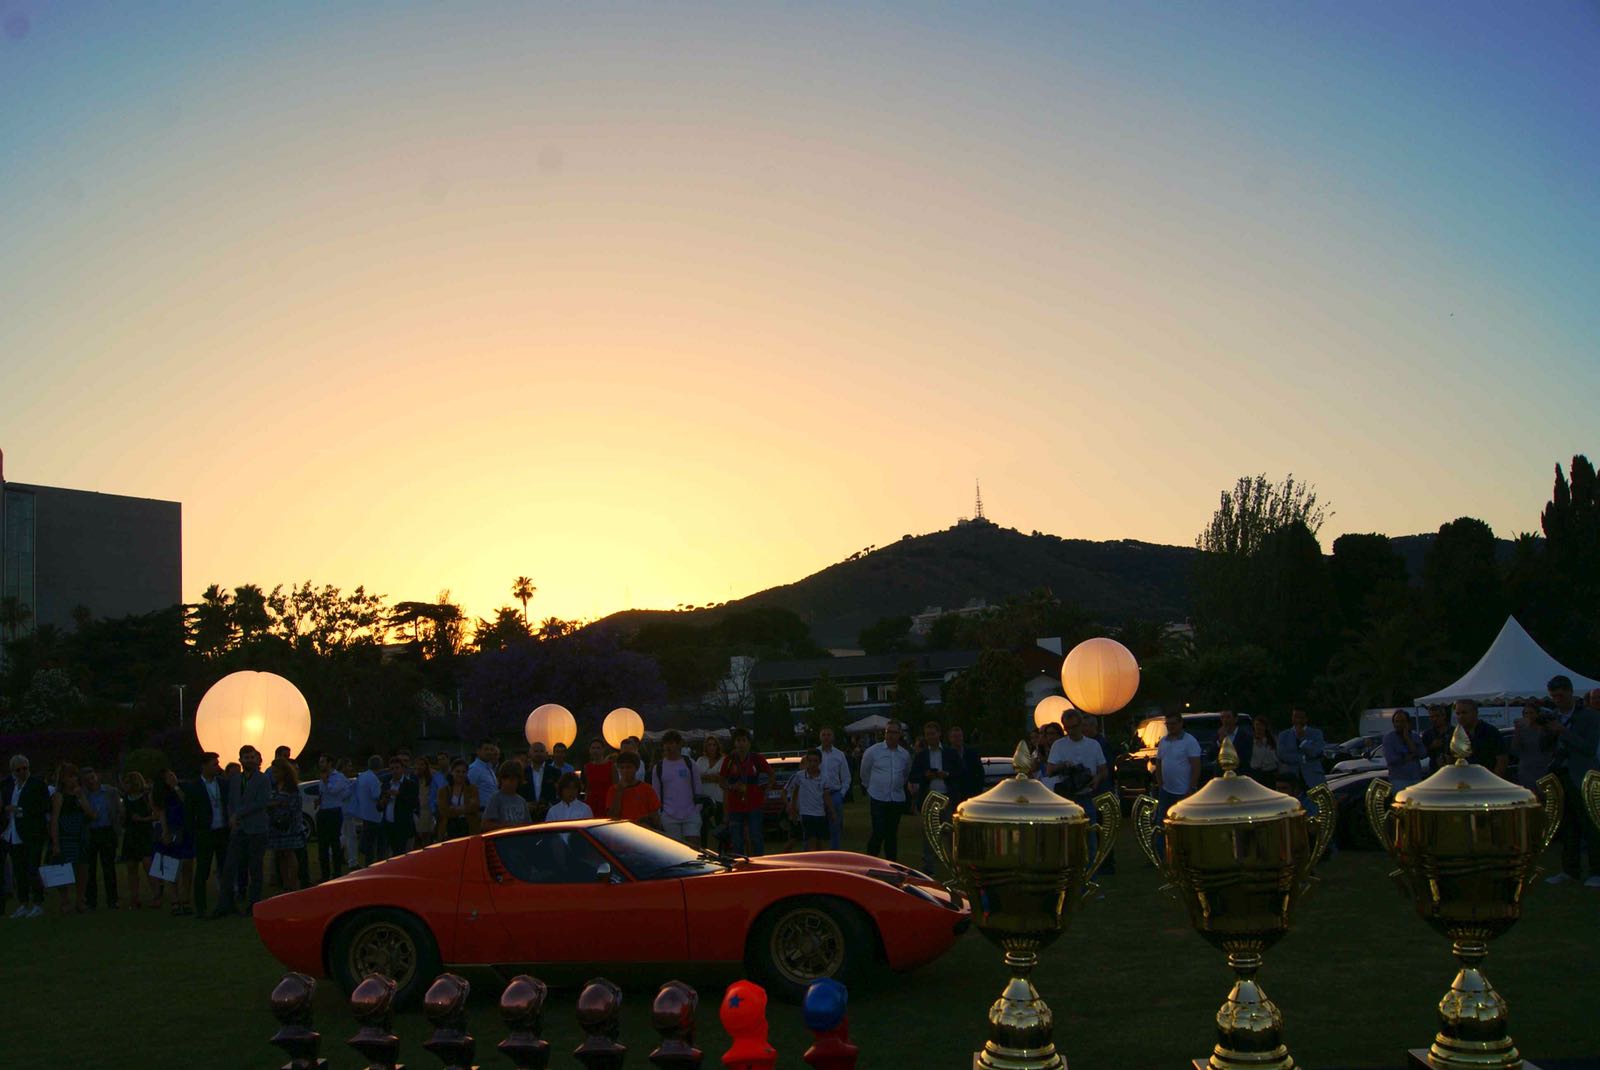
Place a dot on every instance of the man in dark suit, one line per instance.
(205, 810)
(539, 777)
(24, 815)
(969, 780)
(933, 768)
(1243, 740)
(1577, 732)
(400, 818)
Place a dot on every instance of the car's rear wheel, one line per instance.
(799, 941)
(388, 942)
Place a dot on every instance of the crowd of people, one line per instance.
(232, 829)
(1555, 736)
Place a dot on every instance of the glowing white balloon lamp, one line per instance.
(550, 724)
(621, 723)
(1050, 710)
(260, 709)
(1100, 676)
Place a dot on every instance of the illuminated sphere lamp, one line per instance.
(621, 723)
(1050, 710)
(261, 709)
(550, 724)
(1100, 676)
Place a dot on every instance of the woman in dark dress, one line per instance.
(138, 836)
(286, 832)
(176, 838)
(69, 824)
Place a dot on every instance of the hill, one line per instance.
(1111, 581)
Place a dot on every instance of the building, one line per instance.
(60, 550)
(868, 682)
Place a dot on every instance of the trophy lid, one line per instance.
(1462, 786)
(1231, 799)
(1020, 799)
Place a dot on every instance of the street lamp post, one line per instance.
(179, 688)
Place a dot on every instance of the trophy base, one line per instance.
(1019, 1060)
(1207, 1064)
(1422, 1059)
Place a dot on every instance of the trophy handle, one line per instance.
(934, 826)
(1555, 799)
(1377, 807)
(1326, 822)
(1109, 809)
(1144, 829)
(1589, 795)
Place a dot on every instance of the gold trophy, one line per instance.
(1240, 856)
(1466, 843)
(1020, 853)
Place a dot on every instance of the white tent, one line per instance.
(871, 723)
(1515, 667)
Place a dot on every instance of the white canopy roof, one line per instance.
(870, 723)
(1515, 667)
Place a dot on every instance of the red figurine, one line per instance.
(744, 1016)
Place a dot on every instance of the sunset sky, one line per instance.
(670, 303)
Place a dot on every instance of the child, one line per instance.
(810, 804)
(570, 808)
(506, 808)
(631, 800)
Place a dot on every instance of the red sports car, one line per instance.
(594, 893)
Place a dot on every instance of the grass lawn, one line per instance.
(1131, 986)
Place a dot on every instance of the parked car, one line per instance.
(1132, 768)
(997, 769)
(597, 894)
(774, 811)
(1351, 749)
(1349, 787)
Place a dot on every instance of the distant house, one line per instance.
(922, 623)
(868, 681)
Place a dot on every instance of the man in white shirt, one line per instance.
(369, 804)
(885, 768)
(1079, 766)
(1176, 768)
(836, 778)
(483, 773)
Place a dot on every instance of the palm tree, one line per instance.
(522, 590)
(14, 616)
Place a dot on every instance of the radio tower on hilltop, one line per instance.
(977, 508)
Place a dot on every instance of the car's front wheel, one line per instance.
(799, 941)
(388, 942)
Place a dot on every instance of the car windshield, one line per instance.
(650, 855)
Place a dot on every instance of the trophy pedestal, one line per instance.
(1420, 1059)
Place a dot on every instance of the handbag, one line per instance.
(56, 876)
(164, 868)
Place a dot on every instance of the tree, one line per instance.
(827, 704)
(522, 589)
(1571, 524)
(988, 698)
(1296, 615)
(1461, 588)
(909, 706)
(508, 627)
(1230, 574)
(774, 722)
(14, 616)
(1369, 578)
(887, 635)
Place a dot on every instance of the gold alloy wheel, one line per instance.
(385, 948)
(807, 944)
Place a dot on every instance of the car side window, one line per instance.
(549, 857)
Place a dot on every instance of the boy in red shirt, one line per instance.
(745, 776)
(631, 799)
